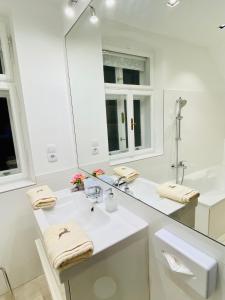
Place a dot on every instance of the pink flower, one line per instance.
(98, 172)
(78, 178)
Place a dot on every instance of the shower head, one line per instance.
(181, 103)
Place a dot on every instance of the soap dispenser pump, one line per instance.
(110, 202)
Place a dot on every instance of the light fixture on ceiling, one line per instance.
(110, 3)
(93, 17)
(69, 9)
(173, 3)
(222, 26)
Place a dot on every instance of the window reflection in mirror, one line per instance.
(2, 67)
(116, 111)
(142, 121)
(120, 68)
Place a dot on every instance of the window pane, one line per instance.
(131, 77)
(109, 74)
(122, 68)
(142, 122)
(2, 69)
(137, 122)
(112, 124)
(116, 112)
(7, 149)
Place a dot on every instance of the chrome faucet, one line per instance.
(94, 192)
(117, 183)
(127, 189)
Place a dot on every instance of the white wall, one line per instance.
(38, 36)
(40, 50)
(86, 81)
(68, 22)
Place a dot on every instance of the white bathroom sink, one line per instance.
(105, 229)
(77, 207)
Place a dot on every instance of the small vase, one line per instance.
(80, 186)
(77, 187)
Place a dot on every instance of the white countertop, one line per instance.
(145, 190)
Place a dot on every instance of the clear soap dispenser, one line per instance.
(111, 204)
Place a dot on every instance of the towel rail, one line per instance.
(7, 281)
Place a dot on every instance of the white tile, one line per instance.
(36, 289)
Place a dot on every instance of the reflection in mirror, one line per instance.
(148, 98)
(116, 112)
(2, 67)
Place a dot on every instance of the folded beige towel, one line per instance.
(67, 245)
(128, 173)
(42, 197)
(177, 192)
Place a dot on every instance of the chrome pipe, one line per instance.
(180, 104)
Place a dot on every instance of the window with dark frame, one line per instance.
(7, 149)
(11, 161)
(124, 69)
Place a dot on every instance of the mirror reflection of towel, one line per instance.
(128, 173)
(177, 192)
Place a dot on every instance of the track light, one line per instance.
(93, 17)
(173, 3)
(222, 26)
(110, 3)
(69, 9)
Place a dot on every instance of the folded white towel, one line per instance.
(128, 173)
(177, 192)
(41, 197)
(67, 245)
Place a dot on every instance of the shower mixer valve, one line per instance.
(181, 164)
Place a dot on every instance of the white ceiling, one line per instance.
(194, 21)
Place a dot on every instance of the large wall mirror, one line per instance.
(148, 95)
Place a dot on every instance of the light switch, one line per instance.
(51, 153)
(51, 148)
(95, 143)
(95, 150)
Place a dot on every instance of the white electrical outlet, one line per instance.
(95, 150)
(52, 157)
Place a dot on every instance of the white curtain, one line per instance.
(124, 61)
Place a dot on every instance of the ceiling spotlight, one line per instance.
(69, 9)
(69, 12)
(222, 26)
(173, 3)
(110, 3)
(93, 17)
